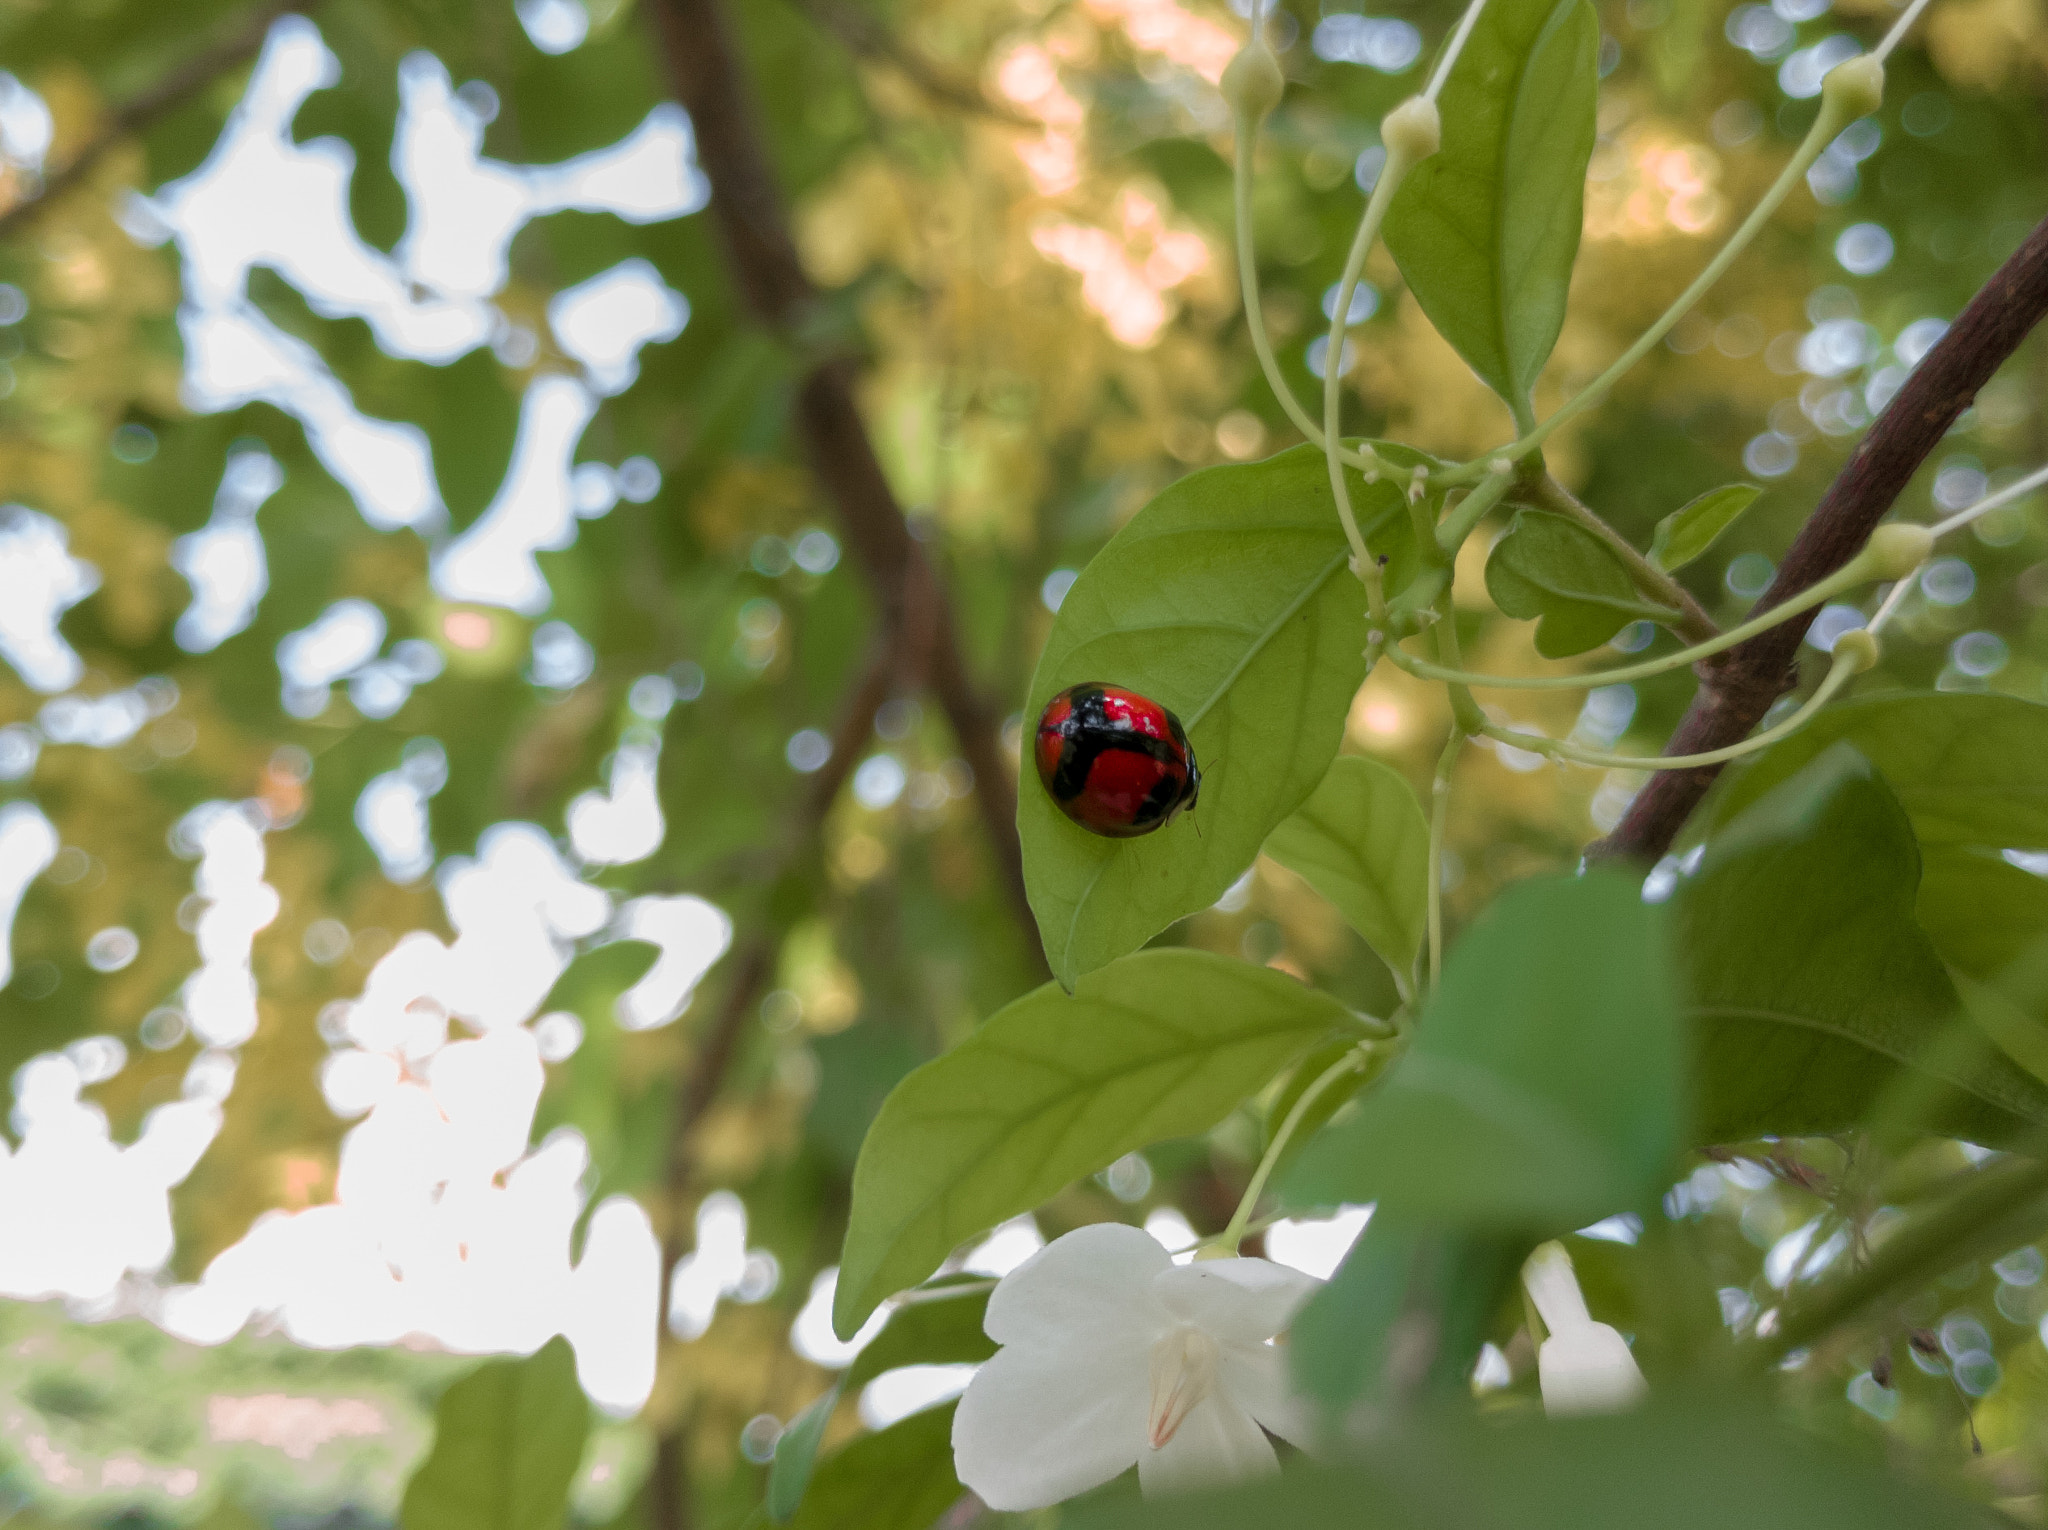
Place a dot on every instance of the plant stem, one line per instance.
(1839, 582)
(1839, 674)
(1363, 563)
(1247, 138)
(1439, 814)
(1233, 1235)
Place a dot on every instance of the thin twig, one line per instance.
(864, 36)
(166, 96)
(1733, 698)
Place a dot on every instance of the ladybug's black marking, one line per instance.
(1116, 762)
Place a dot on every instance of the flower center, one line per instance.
(1183, 1373)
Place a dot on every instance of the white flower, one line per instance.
(1584, 1366)
(1113, 1355)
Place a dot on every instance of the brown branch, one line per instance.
(761, 256)
(1734, 694)
(864, 36)
(237, 47)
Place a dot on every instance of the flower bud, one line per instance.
(1412, 131)
(1857, 648)
(1252, 82)
(1855, 88)
(1896, 549)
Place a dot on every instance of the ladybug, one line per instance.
(1117, 763)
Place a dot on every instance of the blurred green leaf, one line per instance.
(1542, 1091)
(1226, 600)
(1692, 528)
(1678, 1464)
(1546, 567)
(507, 1440)
(1968, 769)
(1362, 842)
(1162, 1044)
(796, 1453)
(1487, 228)
(1810, 980)
(932, 1330)
(894, 1479)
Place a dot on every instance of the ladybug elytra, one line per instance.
(1116, 763)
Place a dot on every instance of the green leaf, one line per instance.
(1542, 1091)
(935, 1330)
(1164, 1044)
(1987, 918)
(1226, 600)
(1811, 983)
(1550, 568)
(897, 1478)
(796, 1453)
(932, 1330)
(1486, 229)
(1362, 842)
(1692, 528)
(1679, 1464)
(507, 1440)
(1968, 769)
(1325, 1105)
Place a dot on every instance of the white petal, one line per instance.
(1037, 1426)
(1239, 1301)
(1090, 1287)
(1554, 1288)
(1254, 1376)
(1588, 1369)
(1216, 1444)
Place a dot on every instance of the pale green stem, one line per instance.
(1839, 674)
(1439, 814)
(1848, 577)
(1899, 29)
(1458, 524)
(1254, 310)
(1832, 119)
(1233, 1235)
(1366, 566)
(959, 1288)
(1466, 23)
(1990, 502)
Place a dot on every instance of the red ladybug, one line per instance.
(1117, 763)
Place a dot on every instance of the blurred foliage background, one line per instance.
(1016, 214)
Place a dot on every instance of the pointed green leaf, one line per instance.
(507, 1440)
(1692, 528)
(895, 1479)
(1548, 568)
(1163, 1044)
(1487, 228)
(1542, 1091)
(1362, 842)
(932, 1330)
(796, 1453)
(936, 1329)
(1968, 769)
(1227, 600)
(1811, 983)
